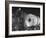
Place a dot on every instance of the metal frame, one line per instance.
(7, 18)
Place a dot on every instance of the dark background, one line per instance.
(35, 11)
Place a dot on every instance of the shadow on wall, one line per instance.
(13, 37)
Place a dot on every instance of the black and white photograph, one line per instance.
(25, 18)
